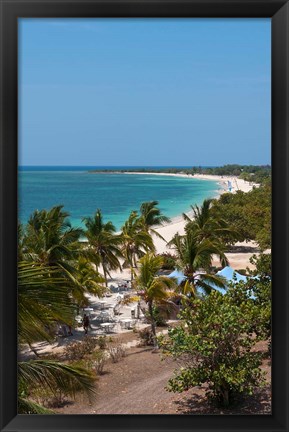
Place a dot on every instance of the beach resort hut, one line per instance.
(178, 275)
(231, 275)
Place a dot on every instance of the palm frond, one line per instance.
(57, 375)
(26, 406)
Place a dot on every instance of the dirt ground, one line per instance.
(136, 385)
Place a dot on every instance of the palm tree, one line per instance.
(151, 216)
(103, 243)
(89, 279)
(43, 300)
(136, 241)
(153, 289)
(50, 238)
(208, 226)
(194, 257)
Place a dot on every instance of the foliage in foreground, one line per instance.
(214, 346)
(43, 298)
(54, 376)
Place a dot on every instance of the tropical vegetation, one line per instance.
(194, 257)
(247, 213)
(214, 346)
(154, 289)
(103, 244)
(60, 266)
(43, 300)
(136, 241)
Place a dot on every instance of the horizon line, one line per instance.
(150, 166)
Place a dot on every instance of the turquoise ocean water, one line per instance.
(82, 192)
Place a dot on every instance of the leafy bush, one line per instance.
(248, 213)
(146, 337)
(215, 347)
(261, 288)
(102, 342)
(116, 352)
(99, 359)
(77, 350)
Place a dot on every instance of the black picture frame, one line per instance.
(278, 11)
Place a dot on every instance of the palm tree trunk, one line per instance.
(131, 267)
(105, 274)
(153, 324)
(131, 273)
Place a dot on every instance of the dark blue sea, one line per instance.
(82, 192)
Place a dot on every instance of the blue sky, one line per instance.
(144, 91)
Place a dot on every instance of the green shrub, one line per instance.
(215, 347)
(102, 342)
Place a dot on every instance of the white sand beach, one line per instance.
(237, 184)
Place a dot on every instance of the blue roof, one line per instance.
(227, 272)
(177, 274)
(231, 275)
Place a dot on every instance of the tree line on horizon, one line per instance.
(251, 173)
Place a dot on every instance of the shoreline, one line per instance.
(237, 184)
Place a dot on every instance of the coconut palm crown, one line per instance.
(194, 257)
(136, 241)
(103, 242)
(50, 238)
(151, 216)
(207, 226)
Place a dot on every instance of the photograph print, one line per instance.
(144, 216)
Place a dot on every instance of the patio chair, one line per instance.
(116, 309)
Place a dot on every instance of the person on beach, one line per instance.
(85, 323)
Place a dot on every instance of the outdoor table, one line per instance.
(107, 326)
(102, 304)
(89, 310)
(103, 316)
(127, 323)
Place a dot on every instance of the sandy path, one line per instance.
(135, 385)
(140, 396)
